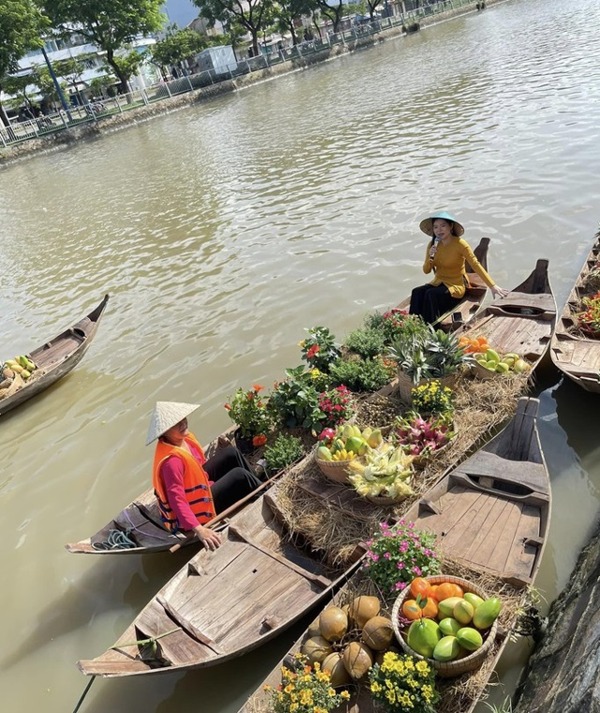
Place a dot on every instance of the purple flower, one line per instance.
(417, 570)
(387, 555)
(399, 586)
(400, 565)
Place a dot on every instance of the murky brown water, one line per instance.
(221, 232)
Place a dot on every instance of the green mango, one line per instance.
(323, 453)
(446, 649)
(449, 626)
(469, 638)
(473, 599)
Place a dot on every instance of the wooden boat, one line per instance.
(56, 358)
(576, 355)
(138, 529)
(491, 514)
(523, 321)
(476, 291)
(226, 602)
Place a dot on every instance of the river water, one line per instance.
(221, 232)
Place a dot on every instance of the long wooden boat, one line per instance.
(475, 293)
(577, 355)
(226, 602)
(523, 321)
(138, 529)
(491, 515)
(56, 358)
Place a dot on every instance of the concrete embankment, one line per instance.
(94, 130)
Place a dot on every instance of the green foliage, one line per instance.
(361, 374)
(253, 15)
(285, 451)
(294, 402)
(367, 343)
(319, 349)
(177, 46)
(427, 355)
(249, 411)
(21, 23)
(394, 323)
(127, 65)
(109, 24)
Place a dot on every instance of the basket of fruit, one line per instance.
(339, 447)
(490, 364)
(448, 621)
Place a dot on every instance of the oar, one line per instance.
(229, 511)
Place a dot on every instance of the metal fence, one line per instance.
(20, 131)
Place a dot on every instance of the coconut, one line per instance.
(358, 659)
(334, 666)
(364, 608)
(333, 623)
(316, 648)
(378, 633)
(313, 628)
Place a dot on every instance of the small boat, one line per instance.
(55, 358)
(476, 291)
(226, 602)
(138, 528)
(491, 515)
(577, 355)
(523, 321)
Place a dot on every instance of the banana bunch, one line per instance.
(385, 472)
(19, 365)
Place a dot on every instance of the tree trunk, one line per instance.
(563, 675)
(110, 59)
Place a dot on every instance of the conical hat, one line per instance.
(165, 415)
(427, 225)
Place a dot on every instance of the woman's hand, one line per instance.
(209, 538)
(223, 442)
(498, 291)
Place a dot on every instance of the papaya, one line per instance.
(473, 599)
(487, 613)
(323, 453)
(449, 626)
(446, 649)
(446, 606)
(463, 611)
(469, 638)
(423, 635)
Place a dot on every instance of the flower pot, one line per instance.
(243, 443)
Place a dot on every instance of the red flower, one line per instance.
(228, 407)
(259, 440)
(313, 351)
(257, 387)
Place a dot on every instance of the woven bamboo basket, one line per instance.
(482, 373)
(406, 384)
(384, 500)
(336, 471)
(447, 669)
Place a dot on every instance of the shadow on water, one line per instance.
(577, 412)
(111, 584)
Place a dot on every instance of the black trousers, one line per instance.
(431, 302)
(232, 477)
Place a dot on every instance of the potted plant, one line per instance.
(249, 411)
(402, 683)
(589, 318)
(319, 349)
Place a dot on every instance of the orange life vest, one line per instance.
(195, 483)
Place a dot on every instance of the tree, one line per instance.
(20, 26)
(290, 10)
(252, 15)
(333, 12)
(176, 46)
(109, 24)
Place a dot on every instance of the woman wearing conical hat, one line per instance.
(190, 488)
(446, 256)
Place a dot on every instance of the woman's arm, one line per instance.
(428, 264)
(171, 472)
(470, 258)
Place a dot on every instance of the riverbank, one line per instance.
(94, 130)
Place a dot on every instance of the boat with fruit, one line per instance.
(488, 518)
(518, 326)
(225, 602)
(575, 347)
(28, 375)
(475, 294)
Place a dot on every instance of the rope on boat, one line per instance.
(84, 694)
(116, 540)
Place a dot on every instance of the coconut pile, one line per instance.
(336, 527)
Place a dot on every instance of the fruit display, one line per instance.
(473, 345)
(502, 364)
(346, 442)
(348, 640)
(422, 437)
(21, 365)
(386, 472)
(447, 622)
